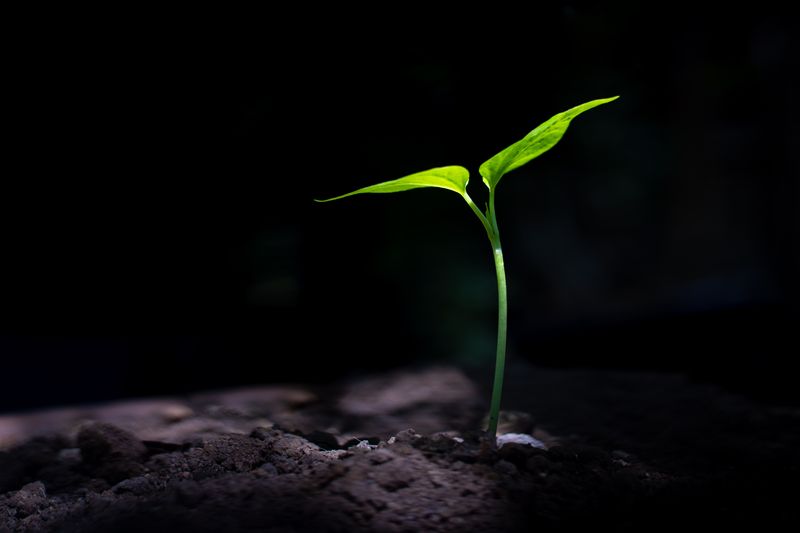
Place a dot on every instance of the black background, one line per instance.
(159, 233)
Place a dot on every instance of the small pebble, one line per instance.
(29, 498)
(100, 442)
(138, 485)
(407, 435)
(519, 438)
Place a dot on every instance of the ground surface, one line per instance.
(625, 452)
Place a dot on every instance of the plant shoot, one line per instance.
(456, 178)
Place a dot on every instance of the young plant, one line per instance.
(455, 178)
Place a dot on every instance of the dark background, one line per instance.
(159, 234)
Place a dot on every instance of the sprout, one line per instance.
(455, 178)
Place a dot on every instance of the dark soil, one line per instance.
(625, 452)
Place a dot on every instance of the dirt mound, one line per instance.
(292, 459)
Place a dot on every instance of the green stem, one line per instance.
(489, 222)
(502, 321)
(486, 224)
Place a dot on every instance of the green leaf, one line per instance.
(454, 178)
(534, 144)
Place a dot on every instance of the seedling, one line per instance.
(455, 178)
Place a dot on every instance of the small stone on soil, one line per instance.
(29, 498)
(519, 438)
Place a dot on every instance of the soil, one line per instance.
(399, 452)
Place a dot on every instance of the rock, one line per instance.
(407, 436)
(102, 442)
(110, 452)
(29, 498)
(517, 453)
(519, 438)
(138, 485)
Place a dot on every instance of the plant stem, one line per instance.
(486, 224)
(489, 222)
(502, 320)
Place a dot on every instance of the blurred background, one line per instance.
(159, 234)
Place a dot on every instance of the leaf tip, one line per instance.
(326, 200)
